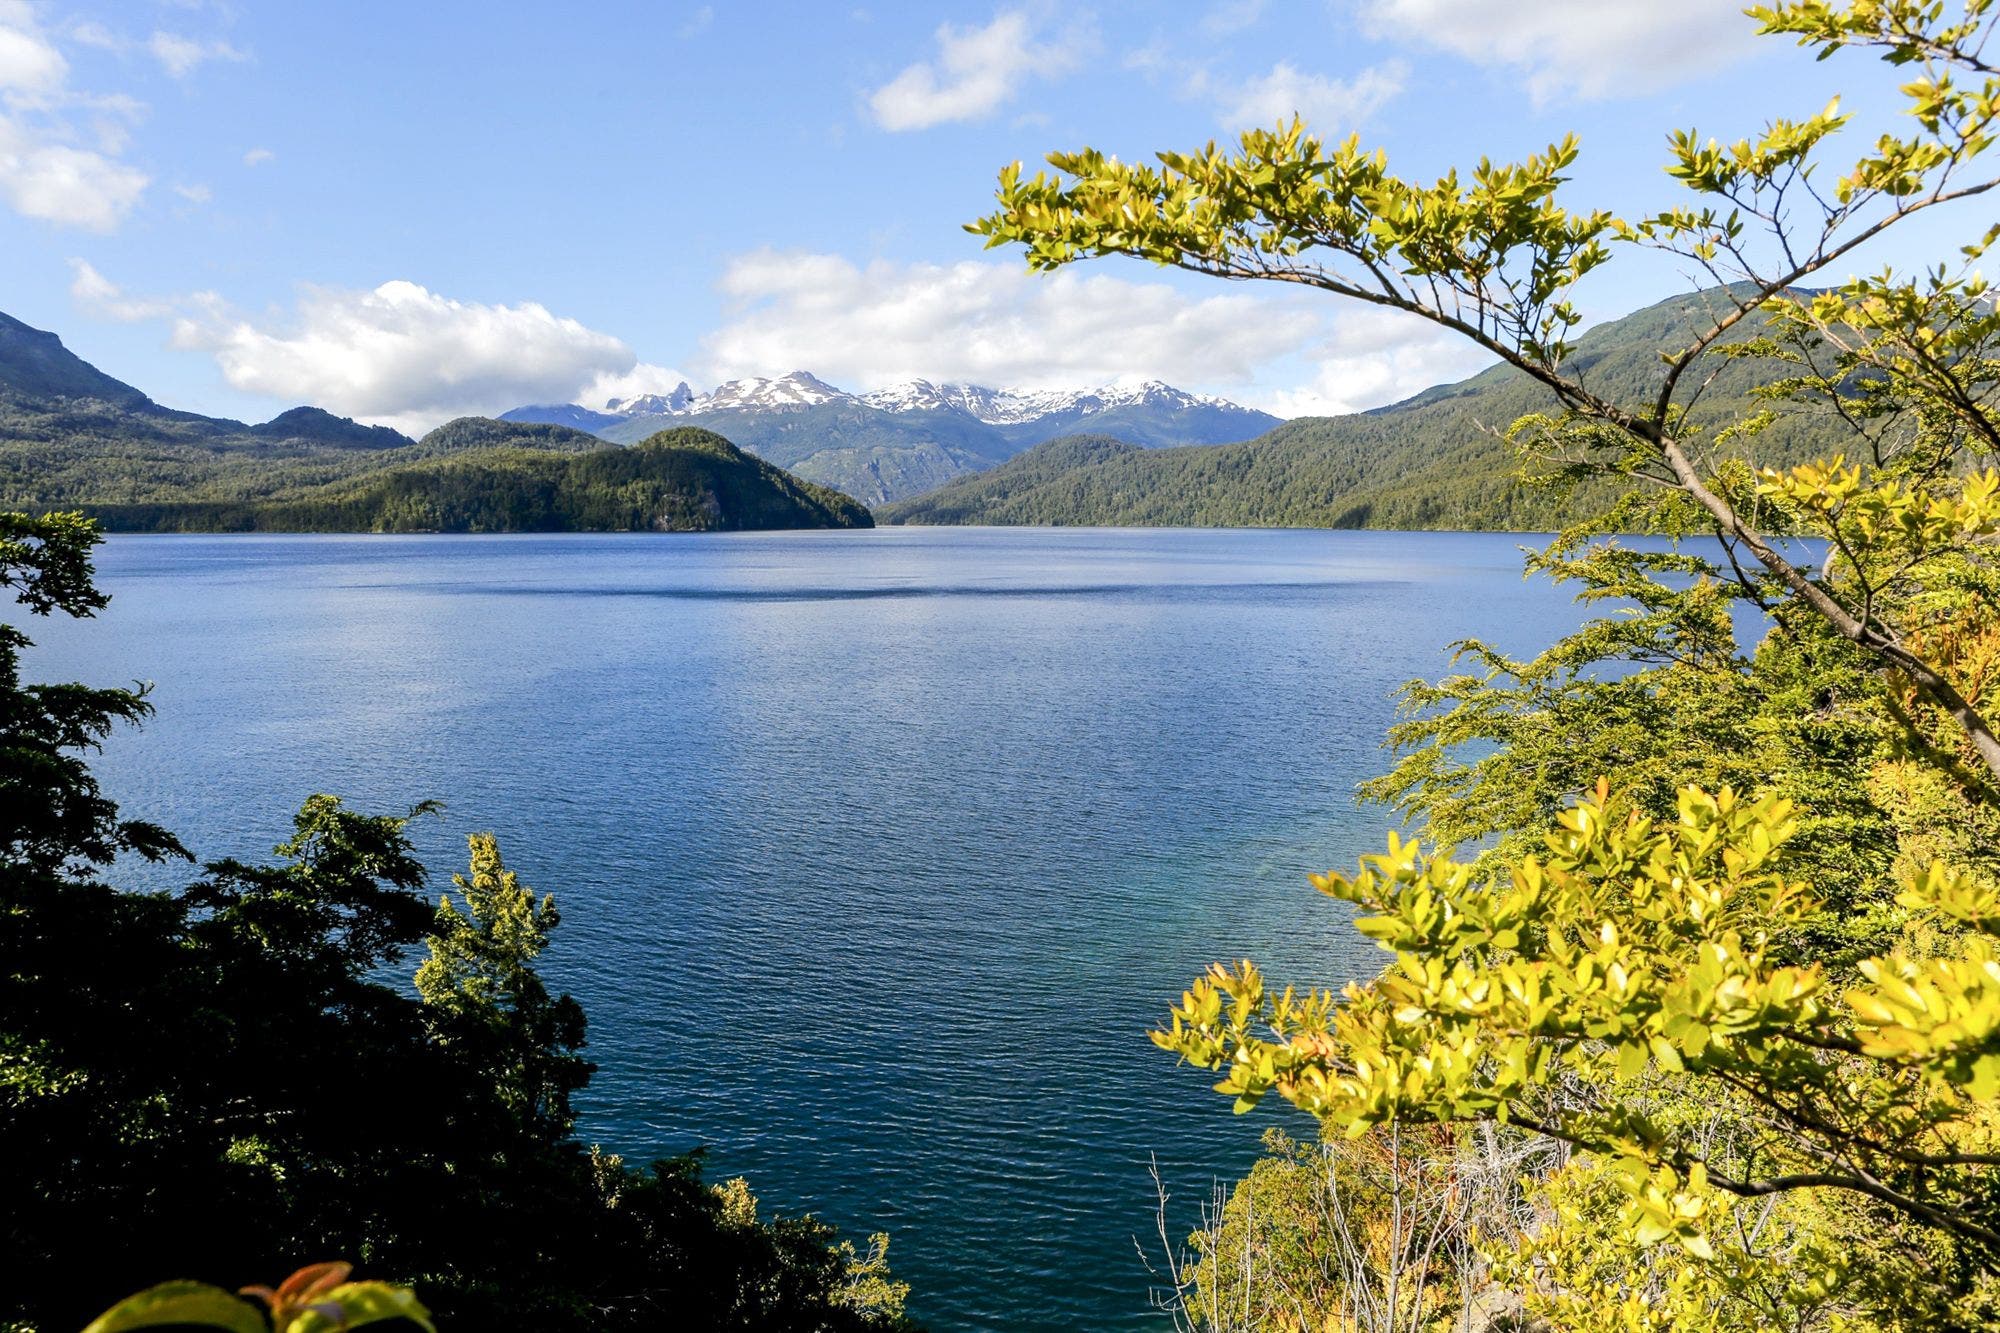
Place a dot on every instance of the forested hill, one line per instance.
(1426, 462)
(72, 437)
(686, 480)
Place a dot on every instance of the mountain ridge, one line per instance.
(73, 437)
(1429, 461)
(893, 443)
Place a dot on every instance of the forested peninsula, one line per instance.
(74, 438)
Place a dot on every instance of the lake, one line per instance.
(878, 852)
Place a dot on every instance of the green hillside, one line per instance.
(685, 480)
(89, 453)
(1428, 462)
(72, 437)
(867, 453)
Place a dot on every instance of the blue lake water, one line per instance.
(878, 852)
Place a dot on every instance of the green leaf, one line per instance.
(181, 1303)
(363, 1303)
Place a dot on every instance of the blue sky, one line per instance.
(403, 212)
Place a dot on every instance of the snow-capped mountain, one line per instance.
(995, 407)
(898, 441)
(787, 393)
(1013, 407)
(653, 404)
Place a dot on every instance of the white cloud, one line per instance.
(181, 56)
(1585, 49)
(975, 72)
(404, 356)
(1331, 107)
(195, 194)
(864, 327)
(44, 173)
(1370, 357)
(640, 380)
(257, 157)
(72, 187)
(1294, 353)
(30, 65)
(97, 295)
(92, 33)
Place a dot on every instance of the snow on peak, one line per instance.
(916, 396)
(654, 404)
(1007, 407)
(996, 407)
(799, 389)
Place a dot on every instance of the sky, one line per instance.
(408, 212)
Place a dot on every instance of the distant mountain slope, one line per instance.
(841, 442)
(900, 441)
(35, 365)
(73, 437)
(323, 427)
(1426, 462)
(562, 414)
(69, 432)
(1058, 474)
(685, 480)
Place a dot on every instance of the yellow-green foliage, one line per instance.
(1904, 365)
(316, 1299)
(1764, 967)
(1578, 1270)
(1633, 959)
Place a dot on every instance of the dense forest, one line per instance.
(1437, 460)
(72, 437)
(685, 480)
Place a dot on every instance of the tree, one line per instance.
(1764, 1023)
(1572, 994)
(1495, 258)
(1380, 1234)
(230, 1076)
(487, 999)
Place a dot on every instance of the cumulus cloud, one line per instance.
(1331, 106)
(97, 295)
(257, 157)
(30, 66)
(1584, 49)
(975, 72)
(72, 187)
(45, 172)
(864, 327)
(640, 380)
(404, 356)
(1370, 357)
(181, 56)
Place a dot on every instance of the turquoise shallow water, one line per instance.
(878, 852)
